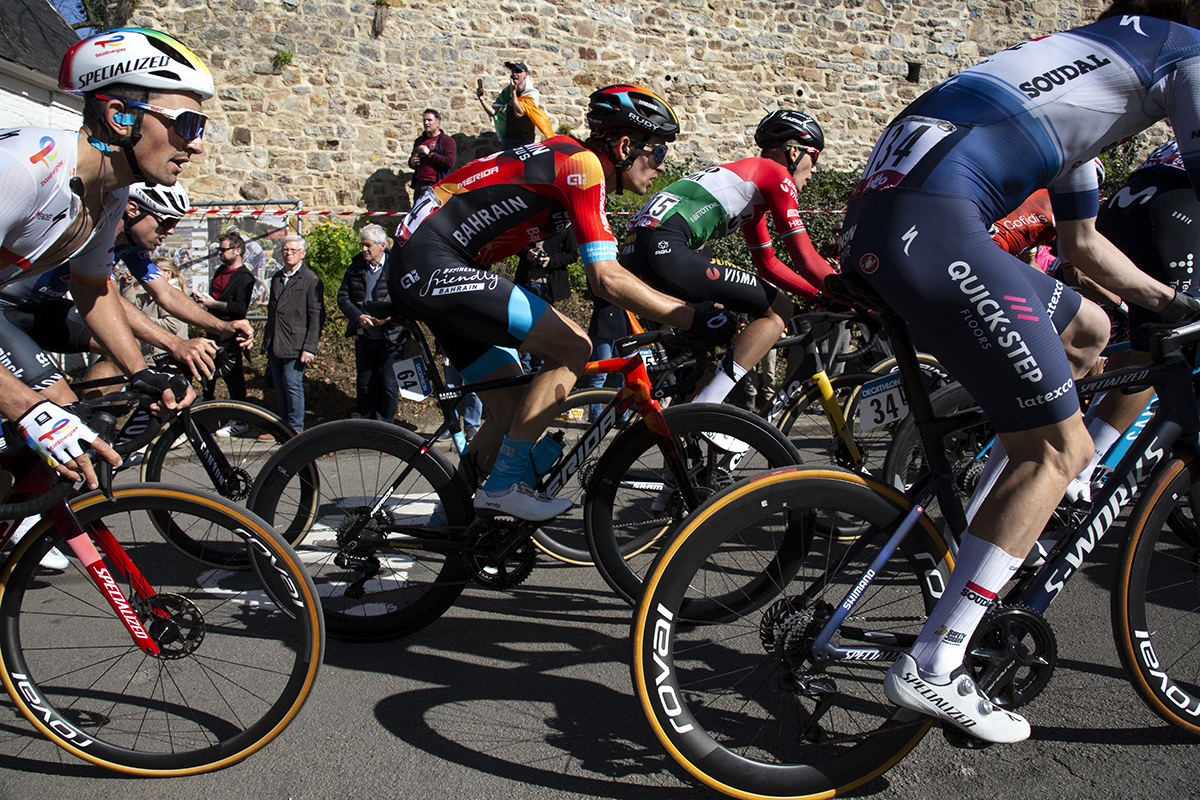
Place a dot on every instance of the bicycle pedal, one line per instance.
(959, 738)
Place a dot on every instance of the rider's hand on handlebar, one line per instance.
(174, 391)
(60, 437)
(1183, 307)
(242, 331)
(197, 355)
(713, 324)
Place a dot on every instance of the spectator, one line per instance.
(515, 111)
(133, 291)
(433, 154)
(229, 299)
(361, 298)
(542, 269)
(295, 311)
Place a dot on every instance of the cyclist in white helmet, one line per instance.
(63, 193)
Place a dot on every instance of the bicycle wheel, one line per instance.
(966, 448)
(562, 538)
(632, 504)
(803, 421)
(239, 650)
(383, 590)
(738, 698)
(172, 459)
(1156, 598)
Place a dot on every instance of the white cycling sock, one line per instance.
(981, 571)
(997, 459)
(721, 384)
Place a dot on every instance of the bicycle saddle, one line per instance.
(853, 290)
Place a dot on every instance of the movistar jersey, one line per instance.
(1034, 115)
(719, 201)
(37, 206)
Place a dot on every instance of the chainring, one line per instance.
(1012, 655)
(499, 555)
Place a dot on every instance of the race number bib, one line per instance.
(882, 402)
(653, 212)
(900, 148)
(410, 374)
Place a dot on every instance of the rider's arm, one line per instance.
(612, 282)
(178, 304)
(768, 265)
(809, 269)
(1100, 260)
(197, 354)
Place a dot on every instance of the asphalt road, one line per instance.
(527, 695)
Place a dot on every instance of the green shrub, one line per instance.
(329, 248)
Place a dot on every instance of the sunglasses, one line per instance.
(812, 153)
(658, 152)
(188, 124)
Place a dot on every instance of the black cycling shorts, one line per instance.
(479, 317)
(1154, 220)
(26, 334)
(661, 257)
(990, 318)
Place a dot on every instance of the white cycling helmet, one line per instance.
(135, 57)
(161, 201)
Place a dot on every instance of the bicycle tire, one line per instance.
(726, 694)
(631, 509)
(242, 664)
(562, 538)
(356, 461)
(1155, 597)
(172, 459)
(803, 421)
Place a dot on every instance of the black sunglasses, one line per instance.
(658, 152)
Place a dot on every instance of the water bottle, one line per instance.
(546, 452)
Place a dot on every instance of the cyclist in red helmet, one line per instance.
(666, 240)
(63, 193)
(491, 209)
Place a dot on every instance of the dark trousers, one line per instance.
(378, 390)
(235, 378)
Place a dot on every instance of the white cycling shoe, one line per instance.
(52, 560)
(957, 701)
(723, 441)
(522, 502)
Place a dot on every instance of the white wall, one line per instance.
(30, 98)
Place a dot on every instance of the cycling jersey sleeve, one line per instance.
(1076, 195)
(1030, 226)
(19, 190)
(768, 265)
(138, 262)
(581, 180)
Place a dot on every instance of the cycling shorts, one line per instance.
(661, 257)
(26, 334)
(991, 319)
(477, 316)
(1151, 220)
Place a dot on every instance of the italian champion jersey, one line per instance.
(1034, 115)
(719, 201)
(37, 206)
(495, 206)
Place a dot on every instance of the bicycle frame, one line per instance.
(36, 480)
(1177, 418)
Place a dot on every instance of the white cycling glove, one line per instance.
(54, 433)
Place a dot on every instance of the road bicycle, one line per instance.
(137, 657)
(760, 643)
(213, 445)
(396, 538)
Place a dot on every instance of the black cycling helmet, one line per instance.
(626, 107)
(783, 126)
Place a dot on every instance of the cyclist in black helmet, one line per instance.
(666, 240)
(493, 208)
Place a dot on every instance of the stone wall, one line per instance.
(335, 126)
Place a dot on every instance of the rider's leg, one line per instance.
(749, 346)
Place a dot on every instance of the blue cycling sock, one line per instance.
(511, 466)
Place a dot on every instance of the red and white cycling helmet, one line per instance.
(135, 57)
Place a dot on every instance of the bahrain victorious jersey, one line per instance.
(1034, 115)
(718, 201)
(37, 206)
(495, 206)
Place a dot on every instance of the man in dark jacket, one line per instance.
(294, 313)
(228, 299)
(362, 297)
(433, 154)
